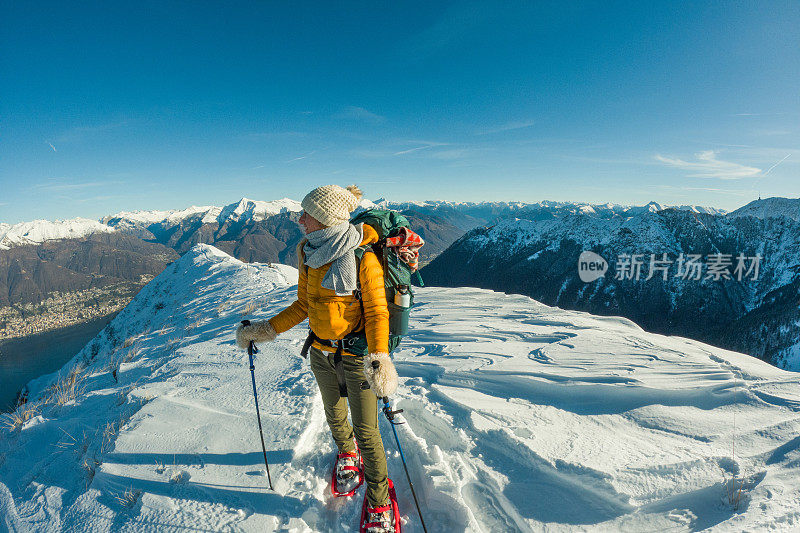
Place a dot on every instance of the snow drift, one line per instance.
(520, 417)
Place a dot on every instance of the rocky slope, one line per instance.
(28, 273)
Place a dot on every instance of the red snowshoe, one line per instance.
(354, 457)
(383, 519)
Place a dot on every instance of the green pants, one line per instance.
(364, 412)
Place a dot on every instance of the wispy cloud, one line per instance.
(736, 192)
(53, 147)
(706, 165)
(517, 125)
(412, 150)
(426, 145)
(60, 184)
(359, 113)
(776, 164)
(302, 157)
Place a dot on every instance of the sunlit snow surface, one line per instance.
(38, 231)
(520, 417)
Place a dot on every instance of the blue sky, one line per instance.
(113, 106)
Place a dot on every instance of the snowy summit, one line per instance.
(243, 210)
(38, 231)
(770, 207)
(519, 417)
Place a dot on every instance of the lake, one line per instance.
(27, 358)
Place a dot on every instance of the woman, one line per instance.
(329, 277)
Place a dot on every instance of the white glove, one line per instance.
(382, 377)
(258, 331)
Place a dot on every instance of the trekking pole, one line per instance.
(387, 410)
(251, 349)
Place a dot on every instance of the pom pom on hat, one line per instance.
(355, 191)
(331, 204)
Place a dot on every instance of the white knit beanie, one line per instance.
(331, 204)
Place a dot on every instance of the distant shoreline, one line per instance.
(27, 358)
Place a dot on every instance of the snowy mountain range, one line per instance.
(468, 215)
(42, 257)
(39, 231)
(46, 266)
(539, 258)
(518, 417)
(250, 230)
(243, 210)
(151, 224)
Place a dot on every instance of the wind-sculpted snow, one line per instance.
(519, 417)
(753, 312)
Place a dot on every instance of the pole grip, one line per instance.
(251, 347)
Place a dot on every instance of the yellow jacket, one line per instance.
(331, 316)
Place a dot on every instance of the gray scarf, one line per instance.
(336, 245)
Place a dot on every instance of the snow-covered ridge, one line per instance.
(559, 206)
(516, 233)
(38, 231)
(247, 210)
(207, 213)
(770, 207)
(519, 417)
(241, 211)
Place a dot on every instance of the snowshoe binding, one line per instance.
(382, 519)
(348, 473)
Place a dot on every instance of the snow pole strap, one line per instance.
(251, 349)
(390, 415)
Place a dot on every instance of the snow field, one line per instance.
(519, 417)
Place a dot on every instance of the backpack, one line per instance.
(396, 274)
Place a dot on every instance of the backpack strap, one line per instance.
(360, 251)
(301, 258)
(339, 344)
